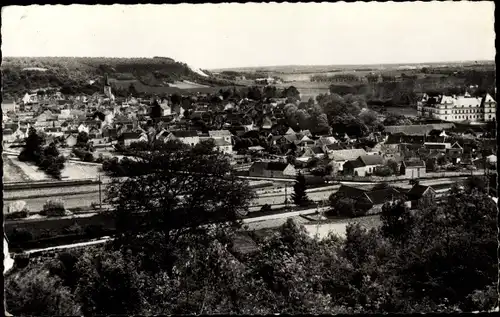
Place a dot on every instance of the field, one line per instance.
(317, 69)
(12, 172)
(17, 171)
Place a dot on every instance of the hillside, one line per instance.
(85, 74)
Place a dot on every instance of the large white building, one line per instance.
(458, 108)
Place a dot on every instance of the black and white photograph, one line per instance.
(249, 158)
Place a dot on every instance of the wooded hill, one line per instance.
(85, 74)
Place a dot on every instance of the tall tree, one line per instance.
(174, 189)
(299, 194)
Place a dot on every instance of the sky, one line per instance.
(213, 36)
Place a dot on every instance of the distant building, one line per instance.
(458, 108)
(9, 105)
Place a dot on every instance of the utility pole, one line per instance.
(286, 196)
(100, 200)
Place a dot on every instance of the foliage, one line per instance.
(17, 215)
(47, 158)
(266, 208)
(439, 258)
(299, 194)
(73, 74)
(382, 171)
(174, 189)
(291, 92)
(83, 155)
(53, 208)
(35, 292)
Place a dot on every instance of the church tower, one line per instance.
(107, 88)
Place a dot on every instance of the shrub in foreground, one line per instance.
(53, 208)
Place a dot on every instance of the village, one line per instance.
(255, 136)
(220, 166)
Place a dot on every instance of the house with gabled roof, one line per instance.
(370, 199)
(128, 138)
(189, 137)
(339, 157)
(272, 170)
(363, 165)
(221, 134)
(413, 168)
(311, 152)
(418, 193)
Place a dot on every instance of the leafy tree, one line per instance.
(131, 90)
(108, 284)
(174, 189)
(254, 93)
(342, 205)
(82, 139)
(156, 110)
(291, 92)
(299, 194)
(176, 99)
(47, 158)
(396, 221)
(33, 291)
(32, 150)
(393, 166)
(270, 92)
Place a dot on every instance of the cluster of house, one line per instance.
(110, 120)
(411, 147)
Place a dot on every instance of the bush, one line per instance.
(17, 215)
(17, 210)
(94, 230)
(53, 208)
(382, 171)
(266, 208)
(73, 229)
(100, 158)
(20, 236)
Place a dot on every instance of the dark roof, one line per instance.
(435, 146)
(414, 163)
(352, 192)
(381, 196)
(405, 139)
(184, 133)
(335, 146)
(317, 150)
(270, 166)
(371, 159)
(131, 135)
(417, 191)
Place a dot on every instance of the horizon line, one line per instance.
(266, 66)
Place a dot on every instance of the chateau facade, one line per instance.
(458, 108)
